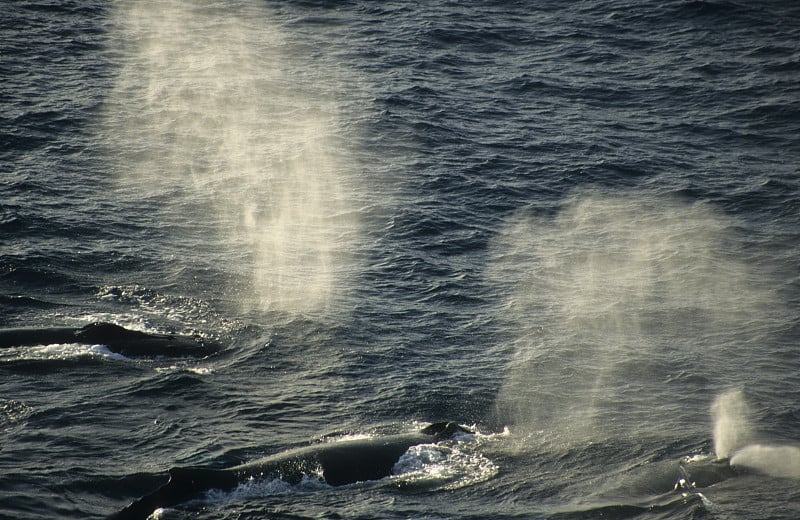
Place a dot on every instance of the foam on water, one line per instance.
(59, 352)
(13, 415)
(259, 488)
(443, 466)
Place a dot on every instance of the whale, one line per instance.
(129, 343)
(688, 473)
(656, 488)
(653, 486)
(338, 463)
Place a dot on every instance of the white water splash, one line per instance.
(59, 352)
(443, 466)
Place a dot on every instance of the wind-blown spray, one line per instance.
(214, 110)
(616, 302)
(731, 417)
(733, 439)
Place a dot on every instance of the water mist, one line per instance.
(626, 308)
(732, 428)
(733, 439)
(216, 117)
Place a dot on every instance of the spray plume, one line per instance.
(216, 113)
(612, 300)
(733, 435)
(731, 417)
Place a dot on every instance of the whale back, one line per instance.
(99, 333)
(183, 484)
(444, 430)
(340, 463)
(135, 343)
(26, 337)
(117, 339)
(350, 462)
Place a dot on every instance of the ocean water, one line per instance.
(574, 226)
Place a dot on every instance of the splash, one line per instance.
(218, 118)
(617, 301)
(437, 466)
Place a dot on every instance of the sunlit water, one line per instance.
(572, 226)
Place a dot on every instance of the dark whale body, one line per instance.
(341, 463)
(117, 339)
(653, 488)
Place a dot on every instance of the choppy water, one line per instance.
(574, 225)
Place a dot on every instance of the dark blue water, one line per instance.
(573, 225)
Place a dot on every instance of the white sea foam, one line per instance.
(60, 351)
(13, 414)
(262, 487)
(443, 466)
